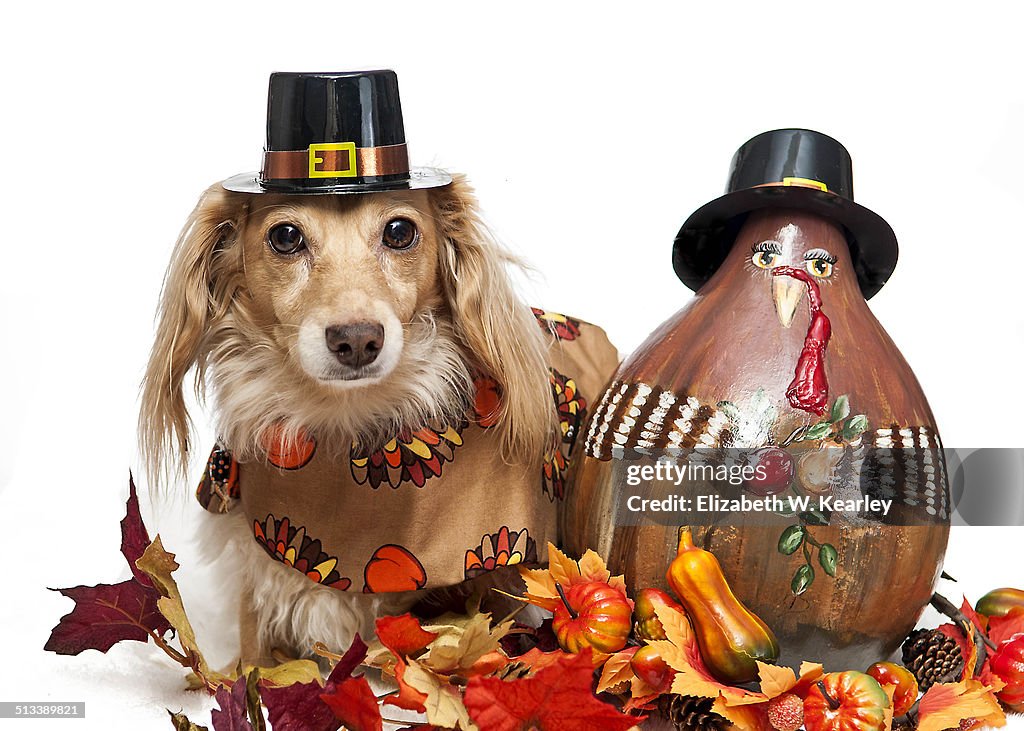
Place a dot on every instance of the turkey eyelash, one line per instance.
(820, 254)
(771, 247)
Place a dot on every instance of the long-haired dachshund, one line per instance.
(391, 418)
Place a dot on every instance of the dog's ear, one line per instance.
(200, 282)
(498, 332)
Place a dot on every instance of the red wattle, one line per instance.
(809, 388)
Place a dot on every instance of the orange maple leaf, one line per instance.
(945, 705)
(540, 583)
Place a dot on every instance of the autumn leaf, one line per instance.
(458, 648)
(232, 713)
(682, 654)
(747, 717)
(540, 583)
(105, 615)
(287, 673)
(158, 565)
(558, 698)
(443, 703)
(355, 705)
(945, 705)
(403, 635)
(617, 670)
(407, 697)
(134, 536)
(298, 705)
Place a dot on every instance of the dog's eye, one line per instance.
(286, 239)
(399, 233)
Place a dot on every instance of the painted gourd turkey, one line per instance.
(778, 362)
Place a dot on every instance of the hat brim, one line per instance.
(418, 178)
(704, 241)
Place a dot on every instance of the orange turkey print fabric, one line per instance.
(434, 505)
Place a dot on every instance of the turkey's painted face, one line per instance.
(788, 246)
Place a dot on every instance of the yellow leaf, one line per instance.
(775, 680)
(617, 670)
(459, 647)
(676, 624)
(945, 705)
(563, 569)
(158, 565)
(592, 567)
(293, 671)
(444, 703)
(743, 717)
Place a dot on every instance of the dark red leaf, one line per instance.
(352, 658)
(353, 702)
(403, 635)
(105, 615)
(134, 537)
(557, 698)
(298, 707)
(232, 715)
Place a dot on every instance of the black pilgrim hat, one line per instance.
(330, 133)
(786, 168)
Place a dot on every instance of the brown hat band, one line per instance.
(335, 160)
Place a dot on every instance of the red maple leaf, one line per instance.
(232, 714)
(354, 703)
(403, 635)
(105, 615)
(557, 698)
(300, 706)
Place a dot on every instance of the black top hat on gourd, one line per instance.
(786, 168)
(331, 133)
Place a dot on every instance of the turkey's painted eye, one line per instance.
(399, 233)
(764, 259)
(286, 238)
(819, 267)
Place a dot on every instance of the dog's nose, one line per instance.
(357, 344)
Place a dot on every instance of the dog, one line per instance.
(356, 318)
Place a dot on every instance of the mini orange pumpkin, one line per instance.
(593, 614)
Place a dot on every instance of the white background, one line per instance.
(590, 132)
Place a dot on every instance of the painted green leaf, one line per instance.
(791, 539)
(802, 579)
(817, 431)
(854, 427)
(814, 517)
(827, 557)
(841, 408)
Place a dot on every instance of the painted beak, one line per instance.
(787, 293)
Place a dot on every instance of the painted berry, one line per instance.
(773, 471)
(786, 712)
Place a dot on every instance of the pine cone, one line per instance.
(689, 713)
(932, 657)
